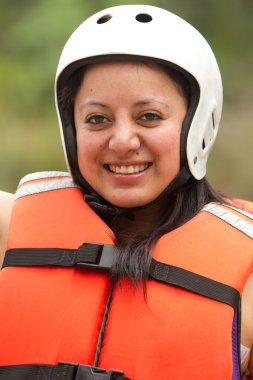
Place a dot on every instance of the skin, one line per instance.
(119, 130)
(125, 117)
(6, 203)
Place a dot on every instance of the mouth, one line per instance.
(128, 169)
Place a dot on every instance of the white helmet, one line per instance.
(154, 34)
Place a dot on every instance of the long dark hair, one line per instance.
(134, 258)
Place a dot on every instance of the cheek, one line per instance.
(168, 156)
(168, 144)
(84, 150)
(88, 152)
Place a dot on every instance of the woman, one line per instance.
(139, 97)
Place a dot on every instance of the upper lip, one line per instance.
(128, 168)
(128, 163)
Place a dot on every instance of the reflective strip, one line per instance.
(39, 187)
(230, 218)
(241, 211)
(42, 175)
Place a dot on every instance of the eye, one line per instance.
(96, 119)
(150, 116)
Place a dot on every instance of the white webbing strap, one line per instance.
(231, 218)
(49, 181)
(42, 175)
(241, 211)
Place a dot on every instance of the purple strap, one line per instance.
(235, 346)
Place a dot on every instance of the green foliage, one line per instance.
(32, 34)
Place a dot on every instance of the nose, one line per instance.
(124, 139)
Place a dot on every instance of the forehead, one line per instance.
(122, 64)
(124, 68)
(127, 75)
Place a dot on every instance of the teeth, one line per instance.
(128, 169)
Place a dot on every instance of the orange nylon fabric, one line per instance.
(44, 311)
(177, 334)
(55, 314)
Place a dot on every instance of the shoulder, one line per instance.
(242, 204)
(6, 203)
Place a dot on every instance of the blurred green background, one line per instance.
(32, 35)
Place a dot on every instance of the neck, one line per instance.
(145, 220)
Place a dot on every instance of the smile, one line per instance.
(128, 169)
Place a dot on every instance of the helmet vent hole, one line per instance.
(104, 19)
(143, 17)
(213, 121)
(203, 144)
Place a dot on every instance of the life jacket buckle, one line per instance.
(103, 258)
(86, 372)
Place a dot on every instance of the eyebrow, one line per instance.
(137, 104)
(151, 100)
(92, 103)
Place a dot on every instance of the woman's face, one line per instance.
(128, 118)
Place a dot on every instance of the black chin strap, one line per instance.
(101, 206)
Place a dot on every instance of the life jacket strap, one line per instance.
(99, 257)
(182, 278)
(62, 371)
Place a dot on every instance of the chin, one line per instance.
(128, 203)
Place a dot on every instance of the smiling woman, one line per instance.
(138, 115)
(128, 141)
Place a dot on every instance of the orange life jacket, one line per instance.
(52, 314)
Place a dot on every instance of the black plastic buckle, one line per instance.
(86, 372)
(105, 257)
